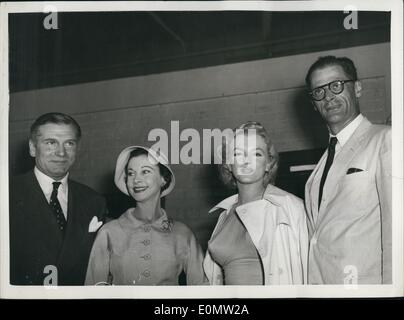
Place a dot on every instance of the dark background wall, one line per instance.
(94, 46)
(116, 109)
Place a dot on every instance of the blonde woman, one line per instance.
(261, 234)
(144, 246)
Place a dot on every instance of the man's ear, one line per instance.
(32, 148)
(358, 88)
(314, 105)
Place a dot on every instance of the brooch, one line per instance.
(166, 225)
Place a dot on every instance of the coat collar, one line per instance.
(344, 135)
(272, 194)
(129, 222)
(337, 170)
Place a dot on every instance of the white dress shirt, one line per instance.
(46, 184)
(344, 135)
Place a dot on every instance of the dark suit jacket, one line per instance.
(36, 241)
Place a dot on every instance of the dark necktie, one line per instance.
(328, 163)
(57, 209)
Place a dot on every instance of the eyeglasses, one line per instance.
(336, 87)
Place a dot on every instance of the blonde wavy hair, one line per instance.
(225, 173)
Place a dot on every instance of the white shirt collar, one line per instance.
(46, 182)
(344, 135)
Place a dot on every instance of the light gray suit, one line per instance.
(351, 233)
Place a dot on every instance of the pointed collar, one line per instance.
(46, 182)
(128, 221)
(226, 204)
(272, 194)
(344, 135)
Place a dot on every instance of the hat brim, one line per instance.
(121, 162)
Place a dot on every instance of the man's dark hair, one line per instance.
(56, 118)
(345, 63)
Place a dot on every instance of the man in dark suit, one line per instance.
(348, 195)
(53, 220)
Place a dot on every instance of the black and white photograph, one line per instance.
(206, 149)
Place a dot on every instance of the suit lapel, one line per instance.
(312, 195)
(340, 165)
(75, 227)
(251, 214)
(43, 216)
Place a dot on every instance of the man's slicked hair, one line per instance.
(56, 118)
(345, 63)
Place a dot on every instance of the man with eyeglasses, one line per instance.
(348, 195)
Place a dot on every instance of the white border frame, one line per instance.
(396, 8)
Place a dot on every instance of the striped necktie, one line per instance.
(57, 209)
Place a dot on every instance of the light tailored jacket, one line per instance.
(278, 229)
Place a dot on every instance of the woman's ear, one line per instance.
(163, 182)
(229, 168)
(270, 165)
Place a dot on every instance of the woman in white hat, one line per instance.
(261, 234)
(144, 246)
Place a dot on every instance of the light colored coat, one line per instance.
(351, 234)
(129, 251)
(278, 229)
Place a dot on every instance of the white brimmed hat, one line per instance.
(156, 156)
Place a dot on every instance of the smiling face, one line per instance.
(143, 179)
(338, 110)
(251, 159)
(54, 148)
